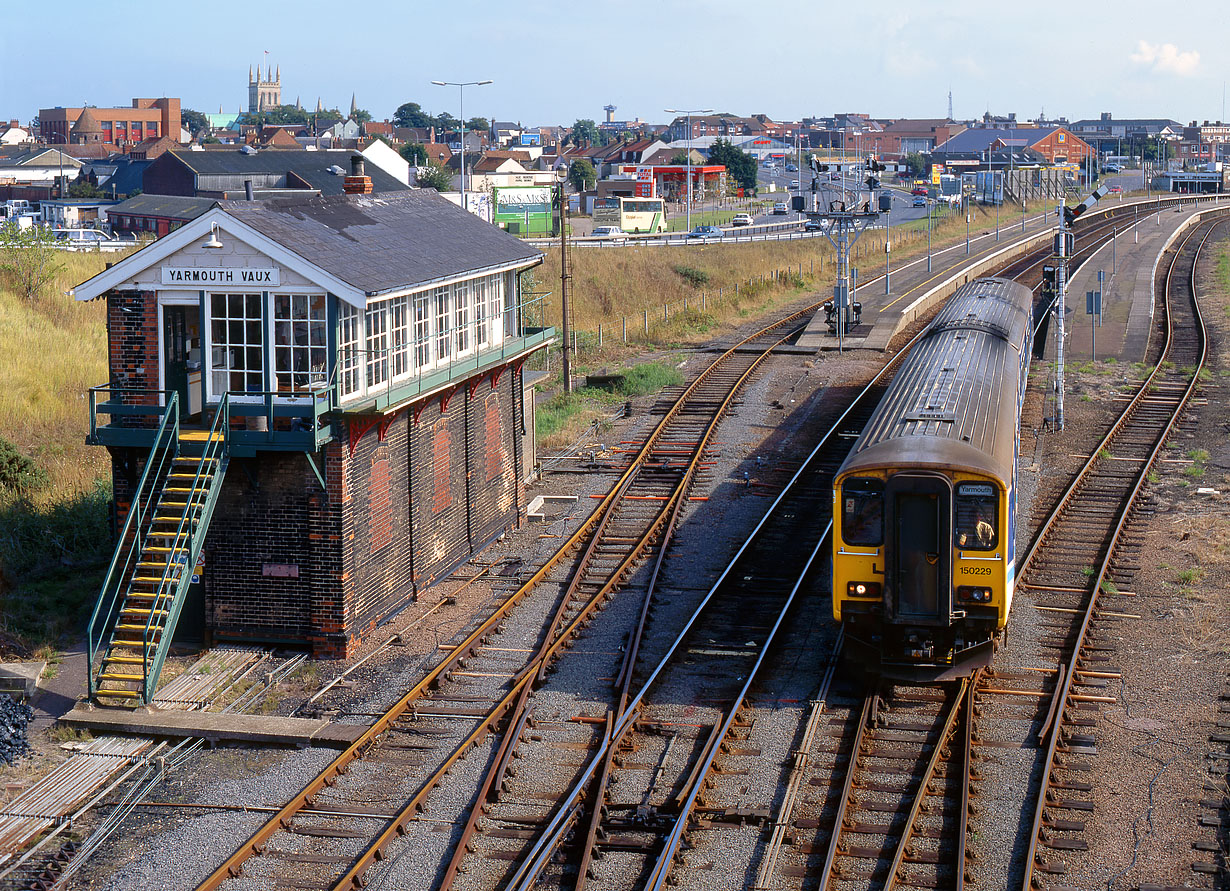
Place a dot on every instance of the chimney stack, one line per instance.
(247, 190)
(358, 183)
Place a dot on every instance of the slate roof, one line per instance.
(172, 207)
(382, 243)
(976, 139)
(311, 167)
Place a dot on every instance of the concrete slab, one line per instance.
(216, 727)
(21, 677)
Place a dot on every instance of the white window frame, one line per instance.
(442, 309)
(214, 393)
(350, 335)
(422, 331)
(302, 375)
(461, 309)
(400, 364)
(376, 344)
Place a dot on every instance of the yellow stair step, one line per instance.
(126, 660)
(122, 694)
(112, 676)
(141, 628)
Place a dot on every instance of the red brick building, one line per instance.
(146, 119)
(359, 359)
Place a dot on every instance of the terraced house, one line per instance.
(316, 409)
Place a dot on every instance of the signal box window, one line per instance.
(977, 517)
(862, 511)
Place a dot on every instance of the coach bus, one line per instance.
(633, 215)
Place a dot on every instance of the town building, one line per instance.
(344, 378)
(227, 172)
(147, 118)
(155, 215)
(14, 134)
(264, 93)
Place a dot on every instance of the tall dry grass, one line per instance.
(55, 349)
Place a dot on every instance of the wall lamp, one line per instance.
(213, 241)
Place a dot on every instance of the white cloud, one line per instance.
(1166, 58)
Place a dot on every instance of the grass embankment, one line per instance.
(623, 288)
(54, 534)
(563, 418)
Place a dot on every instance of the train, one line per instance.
(924, 505)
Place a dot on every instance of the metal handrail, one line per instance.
(217, 444)
(135, 526)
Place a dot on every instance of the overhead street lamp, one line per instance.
(461, 89)
(689, 112)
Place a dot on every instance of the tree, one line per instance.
(739, 164)
(281, 114)
(433, 177)
(411, 114)
(585, 130)
(415, 153)
(29, 257)
(194, 121)
(361, 116)
(582, 174)
(917, 163)
(478, 124)
(679, 159)
(83, 188)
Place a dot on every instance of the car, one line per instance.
(794, 184)
(790, 168)
(780, 208)
(1112, 168)
(815, 226)
(920, 201)
(742, 219)
(608, 232)
(705, 233)
(1116, 190)
(919, 190)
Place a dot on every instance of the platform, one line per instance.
(216, 726)
(1127, 292)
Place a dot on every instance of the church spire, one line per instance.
(319, 107)
(277, 78)
(353, 107)
(250, 80)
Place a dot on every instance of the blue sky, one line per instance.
(553, 62)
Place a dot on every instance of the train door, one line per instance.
(921, 511)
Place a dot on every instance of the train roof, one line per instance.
(953, 405)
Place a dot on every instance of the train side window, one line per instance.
(862, 511)
(977, 517)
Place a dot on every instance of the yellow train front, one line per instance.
(924, 506)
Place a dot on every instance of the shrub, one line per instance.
(695, 277)
(19, 473)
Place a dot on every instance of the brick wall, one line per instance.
(132, 340)
(272, 557)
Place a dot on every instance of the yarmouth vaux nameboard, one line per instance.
(221, 275)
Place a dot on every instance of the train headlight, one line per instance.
(977, 595)
(862, 589)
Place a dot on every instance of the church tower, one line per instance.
(265, 92)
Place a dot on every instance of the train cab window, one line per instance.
(976, 525)
(862, 511)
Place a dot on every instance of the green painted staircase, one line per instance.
(144, 591)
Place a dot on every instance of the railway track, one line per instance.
(482, 686)
(1076, 572)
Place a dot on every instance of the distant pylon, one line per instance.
(950, 105)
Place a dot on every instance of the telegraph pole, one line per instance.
(565, 277)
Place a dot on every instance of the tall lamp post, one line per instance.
(461, 90)
(689, 112)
